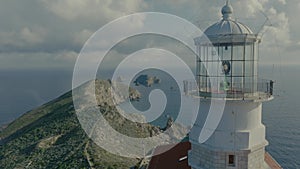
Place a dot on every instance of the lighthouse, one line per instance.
(227, 69)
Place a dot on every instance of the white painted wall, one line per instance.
(240, 128)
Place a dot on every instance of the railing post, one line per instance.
(271, 87)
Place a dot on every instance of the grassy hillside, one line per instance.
(51, 137)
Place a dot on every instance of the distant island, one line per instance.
(146, 80)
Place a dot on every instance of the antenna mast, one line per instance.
(264, 24)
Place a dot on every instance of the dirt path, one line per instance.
(88, 155)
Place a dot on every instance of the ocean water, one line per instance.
(21, 91)
(24, 90)
(282, 117)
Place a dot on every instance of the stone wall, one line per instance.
(256, 159)
(201, 157)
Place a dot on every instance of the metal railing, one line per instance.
(263, 89)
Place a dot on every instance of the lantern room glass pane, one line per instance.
(255, 84)
(203, 83)
(214, 84)
(213, 54)
(203, 53)
(228, 81)
(209, 53)
(237, 68)
(225, 68)
(249, 68)
(237, 83)
(203, 71)
(213, 68)
(225, 52)
(255, 67)
(224, 83)
(249, 52)
(249, 84)
(238, 53)
(198, 54)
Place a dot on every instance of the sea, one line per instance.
(24, 90)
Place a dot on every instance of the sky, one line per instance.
(49, 34)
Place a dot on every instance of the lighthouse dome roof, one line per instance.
(227, 25)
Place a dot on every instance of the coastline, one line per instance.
(2, 127)
(5, 125)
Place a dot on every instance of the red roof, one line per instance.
(171, 158)
(271, 162)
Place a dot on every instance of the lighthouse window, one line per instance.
(231, 160)
(226, 53)
(249, 68)
(203, 71)
(237, 68)
(255, 68)
(249, 52)
(238, 53)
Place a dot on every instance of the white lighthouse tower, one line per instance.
(239, 139)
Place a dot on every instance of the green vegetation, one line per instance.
(51, 137)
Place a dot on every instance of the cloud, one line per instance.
(61, 26)
(282, 2)
(93, 10)
(277, 40)
(280, 28)
(249, 8)
(38, 60)
(57, 25)
(81, 37)
(23, 38)
(33, 36)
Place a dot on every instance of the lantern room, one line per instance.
(227, 61)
